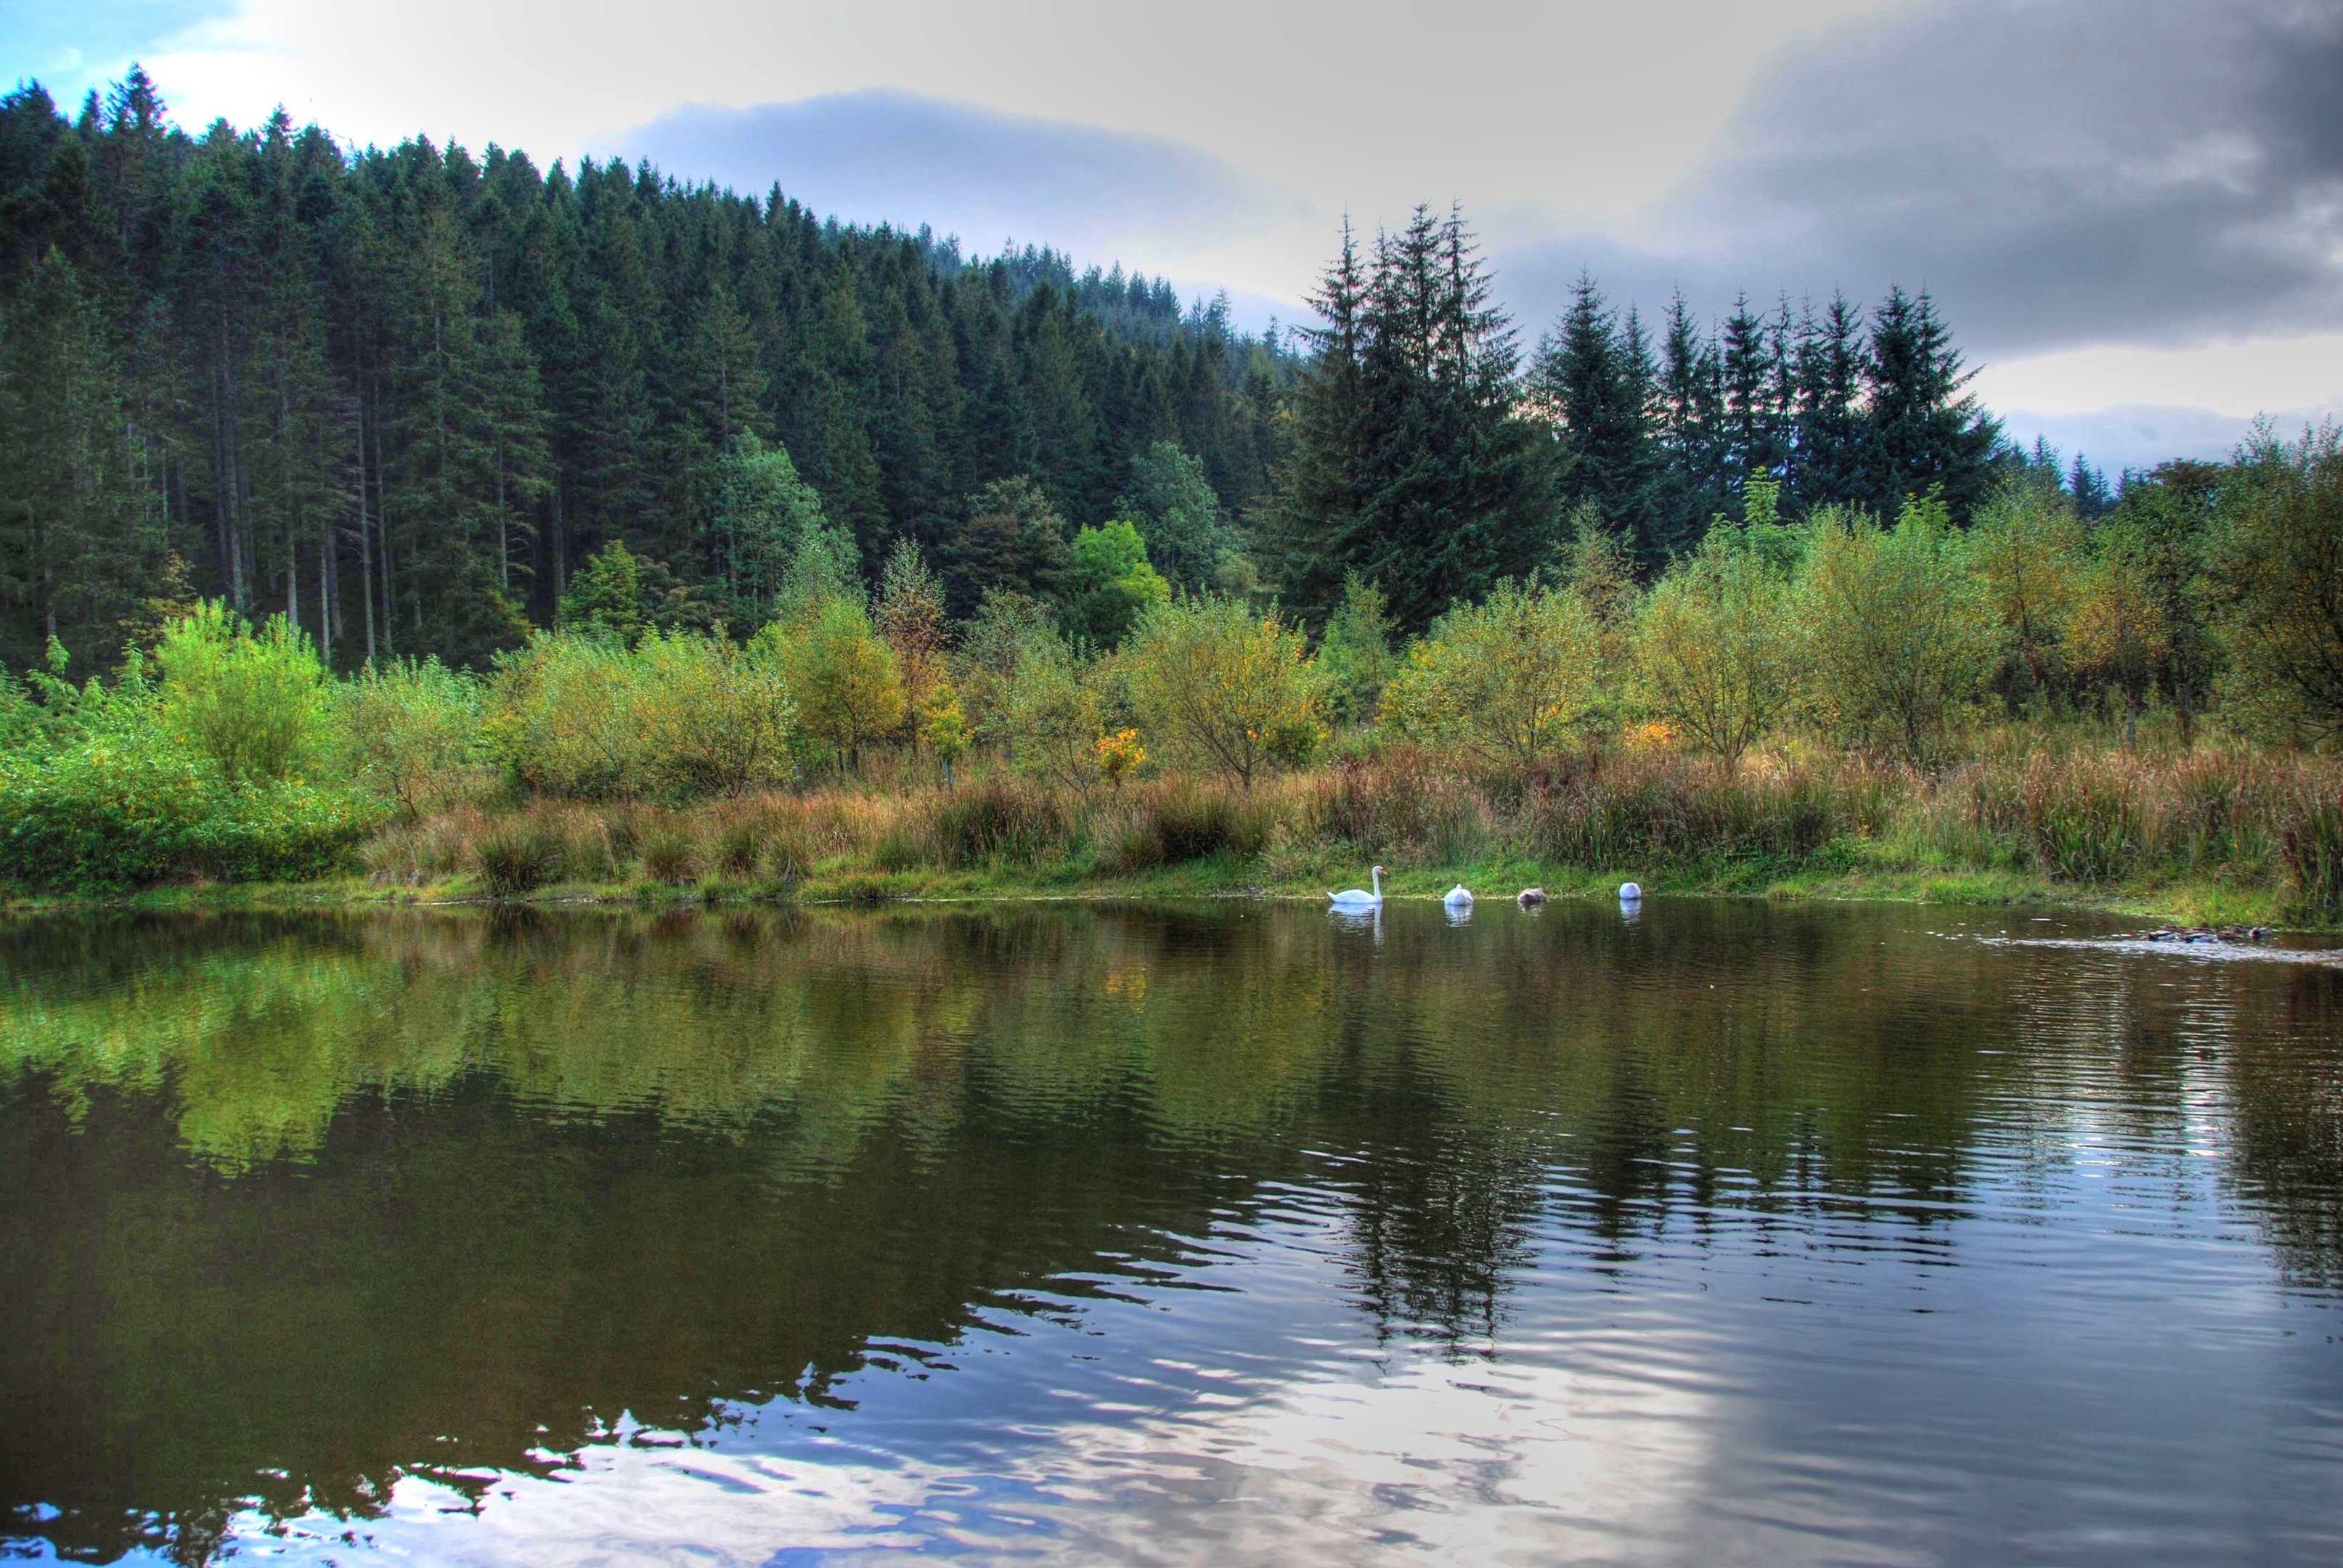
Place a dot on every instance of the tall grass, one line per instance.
(2082, 816)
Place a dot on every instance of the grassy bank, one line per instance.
(2211, 835)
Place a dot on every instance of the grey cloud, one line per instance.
(898, 157)
(2057, 175)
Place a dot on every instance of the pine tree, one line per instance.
(1597, 379)
(74, 562)
(1830, 452)
(1314, 525)
(1928, 435)
(1694, 450)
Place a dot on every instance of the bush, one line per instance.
(517, 857)
(1898, 636)
(679, 717)
(1506, 679)
(113, 813)
(257, 705)
(1224, 688)
(997, 821)
(410, 730)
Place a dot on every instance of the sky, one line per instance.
(2130, 212)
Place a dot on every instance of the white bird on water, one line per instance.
(1458, 898)
(1359, 897)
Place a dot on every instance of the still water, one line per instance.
(1226, 1233)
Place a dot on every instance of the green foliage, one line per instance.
(1354, 657)
(1109, 584)
(125, 806)
(849, 687)
(1054, 718)
(682, 715)
(2027, 548)
(1715, 647)
(1010, 540)
(1221, 688)
(773, 540)
(2277, 570)
(1009, 629)
(1896, 634)
(1509, 678)
(256, 704)
(1172, 501)
(607, 597)
(411, 731)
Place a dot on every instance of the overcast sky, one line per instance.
(2131, 211)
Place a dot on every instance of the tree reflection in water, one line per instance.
(291, 1208)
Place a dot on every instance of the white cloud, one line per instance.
(1692, 141)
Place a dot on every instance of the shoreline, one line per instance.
(2189, 904)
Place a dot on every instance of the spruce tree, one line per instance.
(1596, 379)
(1928, 435)
(1830, 458)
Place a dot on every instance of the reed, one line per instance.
(2075, 810)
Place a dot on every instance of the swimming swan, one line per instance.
(1458, 898)
(1357, 898)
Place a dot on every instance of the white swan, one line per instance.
(1358, 897)
(1631, 893)
(1459, 897)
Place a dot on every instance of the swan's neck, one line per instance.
(1375, 875)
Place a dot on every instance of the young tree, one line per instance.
(1109, 584)
(608, 596)
(767, 522)
(849, 690)
(1896, 633)
(2027, 551)
(1356, 654)
(1224, 688)
(1171, 500)
(2117, 633)
(2170, 521)
(410, 729)
(1716, 646)
(258, 704)
(1507, 679)
(2277, 575)
(910, 613)
(1010, 539)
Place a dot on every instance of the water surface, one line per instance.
(1223, 1232)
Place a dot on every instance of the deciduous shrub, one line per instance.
(1224, 688)
(1507, 679)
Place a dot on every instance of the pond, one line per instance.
(1214, 1233)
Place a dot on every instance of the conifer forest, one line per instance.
(349, 491)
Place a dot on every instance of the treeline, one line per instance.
(399, 396)
(402, 397)
(1430, 458)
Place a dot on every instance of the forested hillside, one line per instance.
(419, 388)
(403, 396)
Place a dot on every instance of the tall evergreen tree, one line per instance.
(1830, 448)
(1928, 433)
(1596, 378)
